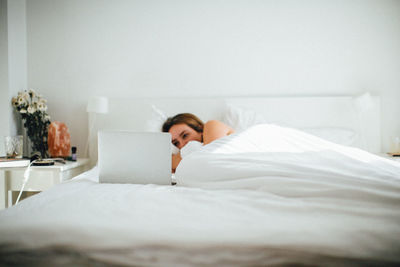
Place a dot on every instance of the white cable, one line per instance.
(26, 178)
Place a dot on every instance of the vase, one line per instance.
(31, 148)
(27, 143)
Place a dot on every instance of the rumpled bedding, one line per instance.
(286, 162)
(267, 196)
(351, 191)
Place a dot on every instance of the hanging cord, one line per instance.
(26, 178)
(28, 171)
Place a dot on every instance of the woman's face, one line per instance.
(182, 134)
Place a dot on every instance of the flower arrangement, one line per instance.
(33, 110)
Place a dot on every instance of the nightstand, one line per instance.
(41, 178)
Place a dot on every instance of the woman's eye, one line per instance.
(184, 136)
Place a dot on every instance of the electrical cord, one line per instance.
(26, 178)
(28, 170)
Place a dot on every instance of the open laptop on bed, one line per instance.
(134, 157)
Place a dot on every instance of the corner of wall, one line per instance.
(4, 93)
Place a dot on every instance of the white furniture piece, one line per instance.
(41, 178)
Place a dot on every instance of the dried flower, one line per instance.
(31, 110)
(41, 106)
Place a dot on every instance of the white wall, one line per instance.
(13, 63)
(17, 54)
(4, 96)
(77, 49)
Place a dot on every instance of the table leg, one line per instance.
(10, 198)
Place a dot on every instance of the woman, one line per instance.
(186, 127)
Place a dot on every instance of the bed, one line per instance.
(298, 184)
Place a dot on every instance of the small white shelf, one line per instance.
(41, 178)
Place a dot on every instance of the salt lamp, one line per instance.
(59, 140)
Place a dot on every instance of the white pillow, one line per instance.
(158, 117)
(336, 135)
(240, 119)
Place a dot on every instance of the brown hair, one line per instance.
(184, 118)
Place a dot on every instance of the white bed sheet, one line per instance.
(273, 155)
(288, 211)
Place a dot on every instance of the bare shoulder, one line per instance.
(215, 129)
(214, 123)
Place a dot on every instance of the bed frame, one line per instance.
(301, 112)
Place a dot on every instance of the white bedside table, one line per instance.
(41, 178)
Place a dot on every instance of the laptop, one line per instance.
(134, 157)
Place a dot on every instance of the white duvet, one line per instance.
(269, 195)
(280, 160)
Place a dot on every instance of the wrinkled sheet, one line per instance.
(294, 199)
(286, 162)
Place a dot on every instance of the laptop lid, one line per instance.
(134, 157)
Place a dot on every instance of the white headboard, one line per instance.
(300, 112)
